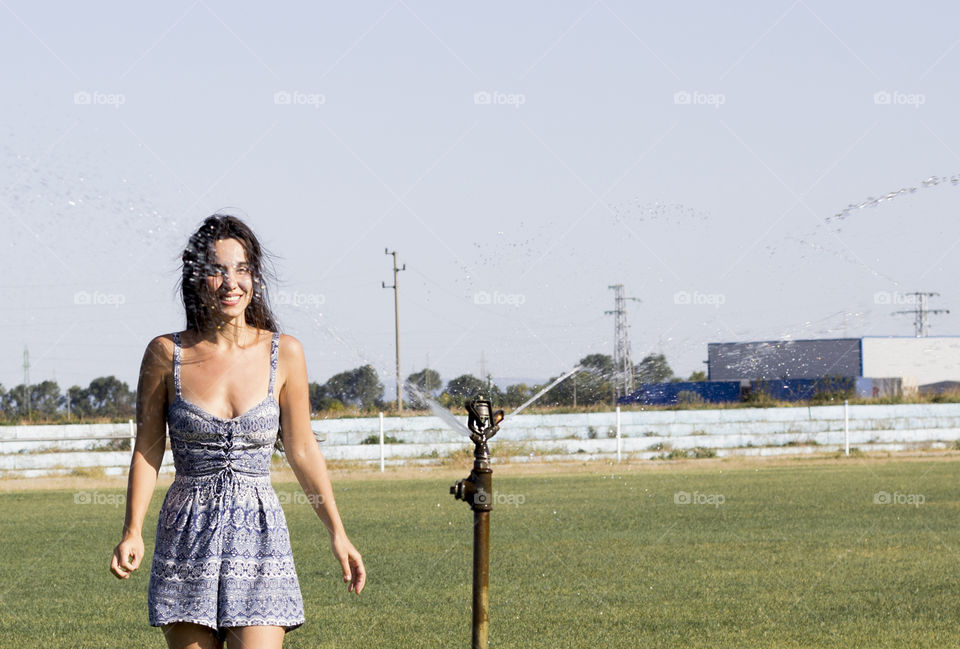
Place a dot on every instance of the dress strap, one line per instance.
(176, 362)
(274, 359)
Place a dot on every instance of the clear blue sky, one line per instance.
(522, 154)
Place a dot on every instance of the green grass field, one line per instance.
(799, 555)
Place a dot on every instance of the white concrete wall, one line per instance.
(645, 434)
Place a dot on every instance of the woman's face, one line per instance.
(231, 279)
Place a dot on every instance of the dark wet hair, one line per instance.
(199, 302)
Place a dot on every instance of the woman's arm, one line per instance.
(307, 461)
(147, 456)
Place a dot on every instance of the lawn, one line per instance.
(847, 553)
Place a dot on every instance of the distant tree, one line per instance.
(110, 397)
(321, 400)
(598, 363)
(16, 402)
(426, 382)
(79, 402)
(466, 386)
(45, 398)
(653, 369)
(589, 386)
(699, 375)
(358, 387)
(515, 395)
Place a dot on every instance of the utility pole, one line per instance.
(26, 379)
(623, 365)
(396, 324)
(920, 312)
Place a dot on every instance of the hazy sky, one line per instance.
(520, 157)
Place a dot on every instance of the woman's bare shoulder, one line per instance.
(159, 352)
(290, 347)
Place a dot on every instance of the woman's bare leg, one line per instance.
(187, 635)
(255, 637)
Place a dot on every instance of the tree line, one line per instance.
(594, 384)
(359, 389)
(106, 397)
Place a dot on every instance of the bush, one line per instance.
(758, 398)
(387, 439)
(689, 398)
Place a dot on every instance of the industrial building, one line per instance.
(913, 361)
(799, 370)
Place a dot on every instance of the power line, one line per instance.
(920, 312)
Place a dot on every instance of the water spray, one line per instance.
(477, 491)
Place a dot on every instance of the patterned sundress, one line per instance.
(222, 556)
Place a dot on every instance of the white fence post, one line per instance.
(619, 445)
(133, 434)
(846, 426)
(381, 442)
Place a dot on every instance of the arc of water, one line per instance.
(543, 391)
(454, 423)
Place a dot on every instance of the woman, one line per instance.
(222, 568)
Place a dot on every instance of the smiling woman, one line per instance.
(223, 258)
(222, 565)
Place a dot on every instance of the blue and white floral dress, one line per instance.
(222, 556)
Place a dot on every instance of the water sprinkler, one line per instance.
(477, 491)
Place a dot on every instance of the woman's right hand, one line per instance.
(127, 556)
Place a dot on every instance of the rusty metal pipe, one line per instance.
(481, 579)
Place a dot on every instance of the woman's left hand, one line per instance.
(350, 561)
